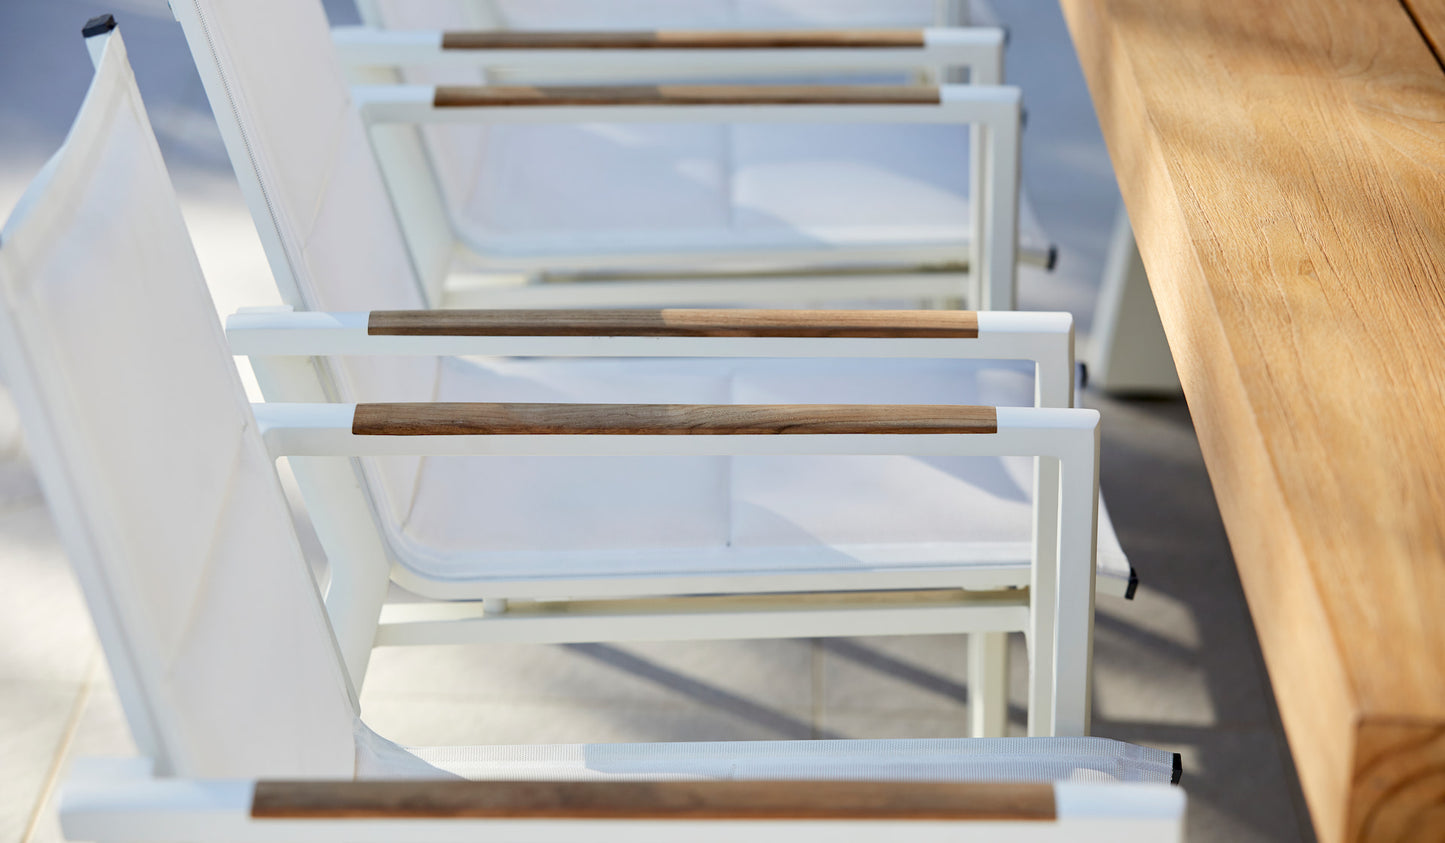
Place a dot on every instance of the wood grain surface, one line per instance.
(666, 419)
(941, 324)
(682, 800)
(498, 96)
(1283, 166)
(685, 40)
(1429, 17)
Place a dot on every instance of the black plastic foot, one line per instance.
(98, 25)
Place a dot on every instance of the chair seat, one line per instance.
(950, 759)
(691, 525)
(640, 188)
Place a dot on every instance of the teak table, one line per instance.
(1283, 163)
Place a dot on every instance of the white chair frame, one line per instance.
(373, 54)
(460, 272)
(977, 50)
(282, 345)
(296, 379)
(156, 799)
(122, 801)
(988, 281)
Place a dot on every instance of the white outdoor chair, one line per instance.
(650, 197)
(713, 525)
(160, 481)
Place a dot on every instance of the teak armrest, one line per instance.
(685, 40)
(675, 323)
(530, 57)
(667, 419)
(674, 800)
(492, 96)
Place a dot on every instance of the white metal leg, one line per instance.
(988, 684)
(1074, 628)
(1129, 350)
(341, 514)
(994, 261)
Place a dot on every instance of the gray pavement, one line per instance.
(1179, 667)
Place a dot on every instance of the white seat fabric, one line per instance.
(475, 519)
(636, 188)
(975, 759)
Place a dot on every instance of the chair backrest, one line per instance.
(301, 153)
(169, 507)
(314, 188)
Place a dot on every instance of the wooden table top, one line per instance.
(1283, 164)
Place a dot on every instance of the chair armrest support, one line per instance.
(657, 800)
(1002, 335)
(165, 810)
(444, 419)
(316, 430)
(669, 96)
(1046, 339)
(679, 54)
(922, 324)
(992, 105)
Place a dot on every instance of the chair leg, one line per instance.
(987, 684)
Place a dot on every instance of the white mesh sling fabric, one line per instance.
(167, 502)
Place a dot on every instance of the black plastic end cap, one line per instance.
(1053, 260)
(1083, 369)
(1133, 584)
(1178, 769)
(98, 25)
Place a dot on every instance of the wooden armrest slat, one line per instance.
(685, 800)
(675, 323)
(685, 40)
(495, 96)
(440, 419)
